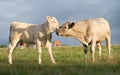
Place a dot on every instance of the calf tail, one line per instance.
(10, 34)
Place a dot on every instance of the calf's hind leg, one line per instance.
(108, 43)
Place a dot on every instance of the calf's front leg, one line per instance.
(50, 52)
(85, 52)
(99, 50)
(92, 49)
(38, 46)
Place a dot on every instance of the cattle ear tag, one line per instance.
(71, 25)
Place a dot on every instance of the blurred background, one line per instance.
(35, 12)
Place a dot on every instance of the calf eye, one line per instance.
(65, 27)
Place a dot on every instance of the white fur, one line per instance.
(38, 34)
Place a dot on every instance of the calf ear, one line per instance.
(71, 25)
(48, 18)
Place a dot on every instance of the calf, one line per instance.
(88, 32)
(39, 34)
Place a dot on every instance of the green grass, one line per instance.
(69, 61)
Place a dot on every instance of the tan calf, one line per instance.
(88, 32)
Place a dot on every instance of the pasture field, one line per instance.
(69, 61)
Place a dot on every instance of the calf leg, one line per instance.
(99, 50)
(108, 43)
(38, 46)
(50, 52)
(85, 52)
(92, 49)
(11, 47)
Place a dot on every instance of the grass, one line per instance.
(69, 61)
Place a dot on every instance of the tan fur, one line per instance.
(88, 32)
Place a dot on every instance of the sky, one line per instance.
(35, 12)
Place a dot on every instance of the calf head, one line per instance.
(53, 24)
(65, 29)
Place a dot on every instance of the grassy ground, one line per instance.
(69, 61)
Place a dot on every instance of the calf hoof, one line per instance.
(93, 60)
(109, 57)
(9, 62)
(99, 58)
(54, 62)
(39, 63)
